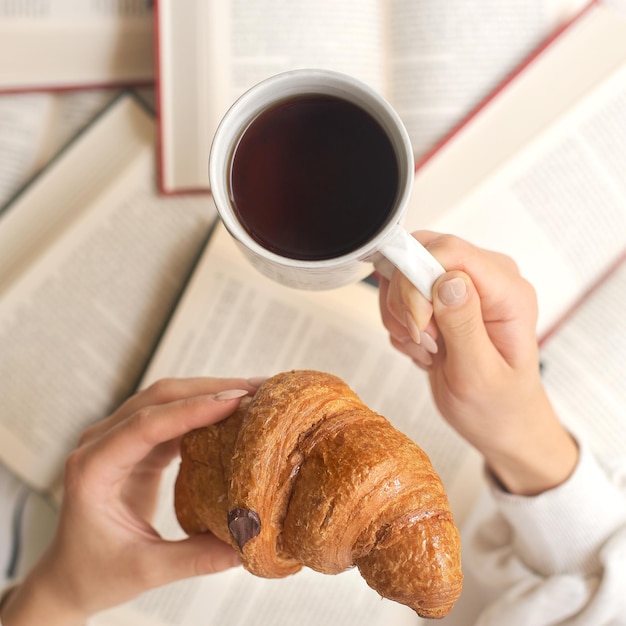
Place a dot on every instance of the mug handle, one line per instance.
(407, 254)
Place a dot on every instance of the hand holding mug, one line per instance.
(484, 367)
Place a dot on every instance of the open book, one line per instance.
(34, 127)
(61, 44)
(584, 366)
(434, 61)
(92, 260)
(538, 172)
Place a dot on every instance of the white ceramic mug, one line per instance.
(392, 244)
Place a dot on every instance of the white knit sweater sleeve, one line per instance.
(558, 558)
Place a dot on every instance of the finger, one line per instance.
(457, 310)
(417, 353)
(110, 458)
(195, 556)
(412, 310)
(140, 490)
(397, 330)
(405, 334)
(145, 477)
(475, 339)
(508, 301)
(431, 329)
(491, 272)
(457, 251)
(164, 391)
(408, 305)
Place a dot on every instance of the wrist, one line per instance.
(34, 602)
(541, 457)
(548, 466)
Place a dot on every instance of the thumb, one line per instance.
(457, 311)
(195, 556)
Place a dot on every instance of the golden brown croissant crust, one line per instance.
(305, 474)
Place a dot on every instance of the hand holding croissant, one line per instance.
(305, 474)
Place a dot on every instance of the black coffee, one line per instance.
(313, 177)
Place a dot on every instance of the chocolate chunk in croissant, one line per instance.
(305, 474)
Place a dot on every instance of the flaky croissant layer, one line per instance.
(305, 474)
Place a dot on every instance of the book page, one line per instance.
(237, 598)
(448, 55)
(24, 121)
(191, 89)
(73, 111)
(618, 5)
(64, 43)
(269, 38)
(92, 261)
(584, 365)
(435, 61)
(543, 184)
(35, 126)
(234, 321)
(214, 51)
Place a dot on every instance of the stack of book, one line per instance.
(114, 272)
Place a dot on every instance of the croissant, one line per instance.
(305, 474)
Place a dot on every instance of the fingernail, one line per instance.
(411, 326)
(230, 394)
(257, 381)
(429, 343)
(453, 292)
(420, 338)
